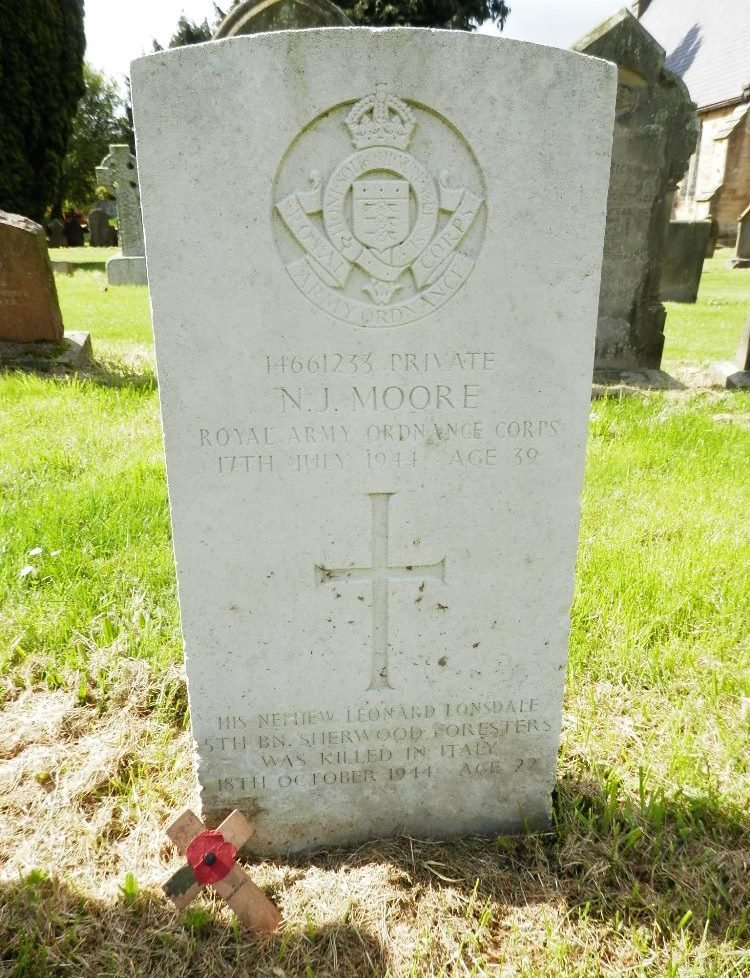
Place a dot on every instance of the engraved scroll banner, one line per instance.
(380, 239)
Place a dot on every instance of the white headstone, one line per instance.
(375, 389)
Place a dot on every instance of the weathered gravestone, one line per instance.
(682, 266)
(99, 230)
(29, 310)
(56, 233)
(737, 373)
(31, 327)
(375, 460)
(257, 16)
(119, 174)
(655, 134)
(741, 257)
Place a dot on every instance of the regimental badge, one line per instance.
(380, 212)
(380, 238)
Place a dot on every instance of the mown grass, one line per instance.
(118, 318)
(647, 872)
(711, 328)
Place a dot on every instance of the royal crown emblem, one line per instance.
(381, 120)
(378, 239)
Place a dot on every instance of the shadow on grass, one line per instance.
(671, 865)
(121, 373)
(100, 373)
(64, 266)
(46, 929)
(669, 862)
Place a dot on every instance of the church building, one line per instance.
(708, 46)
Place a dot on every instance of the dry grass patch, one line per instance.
(637, 878)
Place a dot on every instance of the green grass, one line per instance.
(711, 328)
(646, 873)
(86, 511)
(118, 317)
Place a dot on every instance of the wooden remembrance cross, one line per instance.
(212, 861)
(380, 575)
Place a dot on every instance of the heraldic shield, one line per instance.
(380, 212)
(380, 239)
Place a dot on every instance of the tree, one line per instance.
(465, 15)
(191, 32)
(99, 121)
(42, 43)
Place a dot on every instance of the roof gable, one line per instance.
(707, 45)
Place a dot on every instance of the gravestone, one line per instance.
(741, 257)
(655, 134)
(56, 233)
(29, 310)
(99, 230)
(119, 174)
(737, 373)
(375, 463)
(258, 16)
(682, 266)
(713, 237)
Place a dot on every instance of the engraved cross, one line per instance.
(380, 575)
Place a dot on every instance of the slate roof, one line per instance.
(707, 44)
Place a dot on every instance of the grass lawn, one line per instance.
(647, 872)
(711, 328)
(118, 317)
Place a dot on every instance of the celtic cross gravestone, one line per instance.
(118, 172)
(375, 384)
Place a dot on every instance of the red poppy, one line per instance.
(210, 857)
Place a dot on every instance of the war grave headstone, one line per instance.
(375, 464)
(682, 266)
(31, 326)
(118, 172)
(655, 133)
(735, 373)
(741, 258)
(99, 229)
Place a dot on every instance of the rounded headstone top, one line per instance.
(258, 16)
(20, 222)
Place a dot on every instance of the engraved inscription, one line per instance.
(380, 574)
(379, 239)
(357, 745)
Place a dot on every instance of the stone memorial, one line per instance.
(119, 174)
(29, 310)
(258, 16)
(741, 258)
(99, 229)
(56, 233)
(713, 237)
(682, 266)
(655, 133)
(375, 462)
(737, 373)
